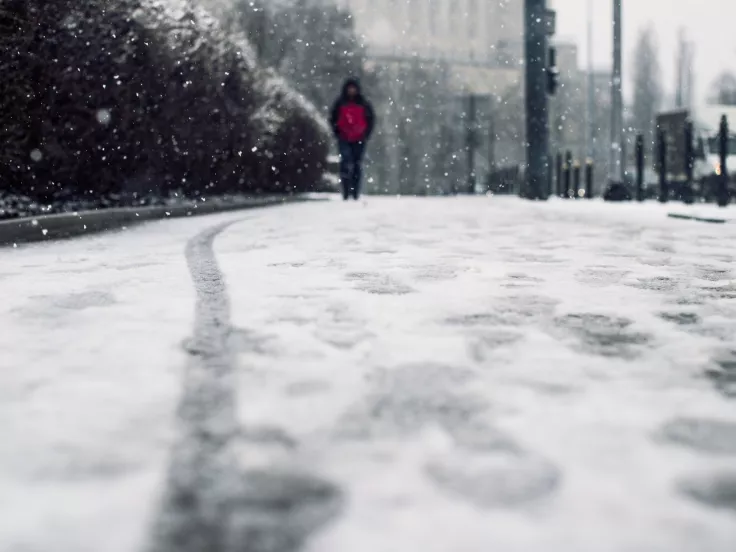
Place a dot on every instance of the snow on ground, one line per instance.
(90, 370)
(468, 374)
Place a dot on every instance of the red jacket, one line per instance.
(352, 119)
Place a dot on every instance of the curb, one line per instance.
(70, 225)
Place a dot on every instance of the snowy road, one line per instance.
(438, 375)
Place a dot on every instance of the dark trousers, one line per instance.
(351, 157)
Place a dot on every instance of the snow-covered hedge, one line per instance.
(148, 96)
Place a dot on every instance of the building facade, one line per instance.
(464, 48)
(475, 33)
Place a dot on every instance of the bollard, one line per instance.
(576, 190)
(664, 191)
(471, 143)
(589, 178)
(565, 181)
(639, 167)
(558, 170)
(722, 195)
(687, 194)
(568, 170)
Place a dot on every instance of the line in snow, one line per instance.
(211, 503)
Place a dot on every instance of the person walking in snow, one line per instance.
(352, 123)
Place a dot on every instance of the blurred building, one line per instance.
(481, 40)
(433, 55)
(567, 107)
(569, 116)
(601, 126)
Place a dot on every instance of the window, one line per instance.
(473, 18)
(714, 145)
(432, 7)
(504, 56)
(454, 20)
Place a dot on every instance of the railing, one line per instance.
(676, 161)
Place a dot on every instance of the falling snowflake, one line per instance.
(104, 116)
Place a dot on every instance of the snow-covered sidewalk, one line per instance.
(435, 375)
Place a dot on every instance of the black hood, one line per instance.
(351, 82)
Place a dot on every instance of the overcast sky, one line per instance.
(711, 24)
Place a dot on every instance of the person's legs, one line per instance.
(346, 168)
(358, 150)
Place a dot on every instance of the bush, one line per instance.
(111, 96)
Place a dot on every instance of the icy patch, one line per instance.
(722, 373)
(681, 318)
(487, 342)
(379, 284)
(502, 480)
(718, 490)
(50, 307)
(603, 335)
(702, 435)
(400, 405)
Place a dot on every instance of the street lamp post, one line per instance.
(590, 84)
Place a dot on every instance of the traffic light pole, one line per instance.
(537, 124)
(616, 164)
